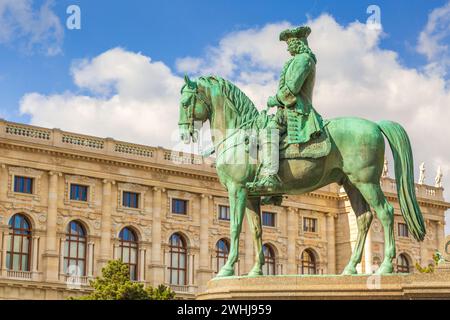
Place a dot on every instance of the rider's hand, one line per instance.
(272, 102)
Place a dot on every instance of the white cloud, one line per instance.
(433, 40)
(29, 28)
(132, 98)
(129, 97)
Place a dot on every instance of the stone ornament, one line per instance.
(438, 179)
(421, 173)
(385, 173)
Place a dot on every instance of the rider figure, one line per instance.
(295, 113)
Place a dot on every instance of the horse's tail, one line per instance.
(404, 176)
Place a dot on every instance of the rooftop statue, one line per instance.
(260, 157)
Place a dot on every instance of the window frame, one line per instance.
(403, 268)
(137, 200)
(221, 255)
(72, 185)
(172, 206)
(309, 264)
(79, 240)
(219, 212)
(402, 230)
(306, 226)
(31, 184)
(269, 260)
(22, 233)
(178, 250)
(130, 244)
(274, 215)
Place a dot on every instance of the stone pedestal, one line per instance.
(366, 287)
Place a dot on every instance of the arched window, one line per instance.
(222, 250)
(309, 265)
(75, 250)
(403, 264)
(269, 258)
(129, 250)
(178, 261)
(18, 254)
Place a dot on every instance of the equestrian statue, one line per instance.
(260, 156)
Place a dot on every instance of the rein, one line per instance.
(212, 150)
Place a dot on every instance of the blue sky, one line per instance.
(167, 30)
(120, 75)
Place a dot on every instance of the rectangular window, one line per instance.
(403, 230)
(268, 219)
(309, 224)
(78, 192)
(224, 213)
(23, 184)
(179, 206)
(130, 199)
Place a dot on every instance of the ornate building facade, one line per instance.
(71, 202)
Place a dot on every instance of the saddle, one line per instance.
(317, 147)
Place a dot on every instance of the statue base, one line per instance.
(336, 287)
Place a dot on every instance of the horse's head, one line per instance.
(194, 107)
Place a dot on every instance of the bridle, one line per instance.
(191, 112)
(191, 107)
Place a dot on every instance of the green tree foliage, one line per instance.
(115, 284)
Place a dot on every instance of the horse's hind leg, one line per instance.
(374, 196)
(363, 219)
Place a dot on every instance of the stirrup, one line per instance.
(265, 183)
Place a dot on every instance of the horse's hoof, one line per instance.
(385, 269)
(225, 272)
(255, 272)
(349, 270)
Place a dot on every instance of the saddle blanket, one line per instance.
(315, 148)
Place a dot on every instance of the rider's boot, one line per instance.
(268, 179)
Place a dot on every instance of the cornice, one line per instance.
(104, 159)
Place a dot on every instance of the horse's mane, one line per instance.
(241, 104)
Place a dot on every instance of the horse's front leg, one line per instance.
(254, 220)
(238, 198)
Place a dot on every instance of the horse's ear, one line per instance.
(191, 84)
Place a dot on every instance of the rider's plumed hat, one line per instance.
(299, 33)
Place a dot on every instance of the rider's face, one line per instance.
(290, 47)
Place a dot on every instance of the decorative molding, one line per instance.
(182, 195)
(35, 174)
(81, 180)
(131, 187)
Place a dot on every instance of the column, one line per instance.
(35, 254)
(51, 256)
(292, 234)
(440, 237)
(105, 239)
(156, 266)
(331, 243)
(141, 276)
(61, 256)
(204, 273)
(90, 262)
(4, 250)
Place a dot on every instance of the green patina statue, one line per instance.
(305, 153)
(295, 113)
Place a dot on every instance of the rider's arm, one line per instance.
(296, 75)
